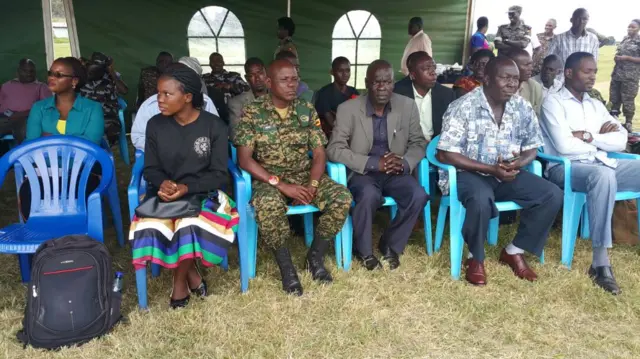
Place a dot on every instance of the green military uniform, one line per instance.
(281, 146)
(625, 78)
(517, 32)
(286, 44)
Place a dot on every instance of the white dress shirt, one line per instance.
(419, 42)
(425, 110)
(556, 87)
(147, 110)
(563, 113)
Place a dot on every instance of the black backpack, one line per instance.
(70, 299)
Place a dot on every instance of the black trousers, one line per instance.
(540, 199)
(368, 193)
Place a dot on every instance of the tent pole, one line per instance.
(48, 31)
(70, 16)
(467, 31)
(288, 8)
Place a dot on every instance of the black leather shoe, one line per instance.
(315, 261)
(370, 262)
(290, 282)
(201, 290)
(603, 278)
(179, 303)
(388, 255)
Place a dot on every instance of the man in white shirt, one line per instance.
(551, 67)
(580, 128)
(419, 42)
(431, 98)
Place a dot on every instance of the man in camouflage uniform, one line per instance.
(286, 29)
(274, 136)
(230, 83)
(515, 35)
(101, 88)
(626, 74)
(148, 82)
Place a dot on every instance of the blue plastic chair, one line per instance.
(458, 212)
(574, 209)
(249, 227)
(347, 237)
(136, 190)
(65, 164)
(124, 146)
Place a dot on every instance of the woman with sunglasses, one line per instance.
(66, 113)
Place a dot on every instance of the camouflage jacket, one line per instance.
(230, 83)
(627, 70)
(286, 44)
(280, 145)
(518, 32)
(104, 92)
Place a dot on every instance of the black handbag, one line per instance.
(185, 207)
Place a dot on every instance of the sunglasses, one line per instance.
(58, 75)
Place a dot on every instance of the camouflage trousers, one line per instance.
(623, 94)
(270, 205)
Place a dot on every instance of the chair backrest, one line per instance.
(58, 169)
(432, 148)
(122, 103)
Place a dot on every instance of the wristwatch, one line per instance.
(586, 136)
(274, 180)
(315, 183)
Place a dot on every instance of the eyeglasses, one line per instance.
(58, 75)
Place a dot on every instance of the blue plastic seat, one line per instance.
(456, 218)
(347, 236)
(136, 191)
(249, 228)
(122, 140)
(574, 205)
(64, 164)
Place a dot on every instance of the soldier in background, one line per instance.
(626, 74)
(515, 35)
(274, 136)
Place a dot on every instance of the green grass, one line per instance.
(417, 311)
(605, 67)
(61, 47)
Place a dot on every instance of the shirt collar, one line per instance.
(565, 94)
(50, 102)
(417, 95)
(371, 112)
(509, 107)
(418, 33)
(584, 33)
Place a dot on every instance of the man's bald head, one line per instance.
(524, 62)
(378, 65)
(379, 82)
(496, 63)
(282, 82)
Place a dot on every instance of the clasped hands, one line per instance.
(171, 191)
(506, 171)
(298, 193)
(391, 164)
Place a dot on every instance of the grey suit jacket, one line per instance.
(352, 137)
(235, 109)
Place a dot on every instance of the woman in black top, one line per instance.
(185, 155)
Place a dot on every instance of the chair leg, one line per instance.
(338, 249)
(394, 211)
(584, 224)
(253, 244)
(141, 286)
(442, 217)
(124, 146)
(570, 220)
(456, 240)
(24, 260)
(308, 229)
(114, 204)
(225, 263)
(427, 228)
(244, 253)
(494, 225)
(347, 244)
(542, 257)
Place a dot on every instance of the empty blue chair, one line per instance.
(456, 218)
(347, 233)
(135, 192)
(124, 146)
(574, 205)
(249, 226)
(64, 164)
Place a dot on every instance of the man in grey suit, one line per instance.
(379, 138)
(256, 76)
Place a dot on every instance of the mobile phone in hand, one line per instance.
(511, 160)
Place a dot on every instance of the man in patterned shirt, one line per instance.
(274, 136)
(577, 39)
(230, 83)
(489, 135)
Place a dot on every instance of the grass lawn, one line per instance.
(416, 311)
(605, 67)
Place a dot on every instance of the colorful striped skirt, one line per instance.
(167, 242)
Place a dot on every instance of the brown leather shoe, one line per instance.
(518, 265)
(475, 272)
